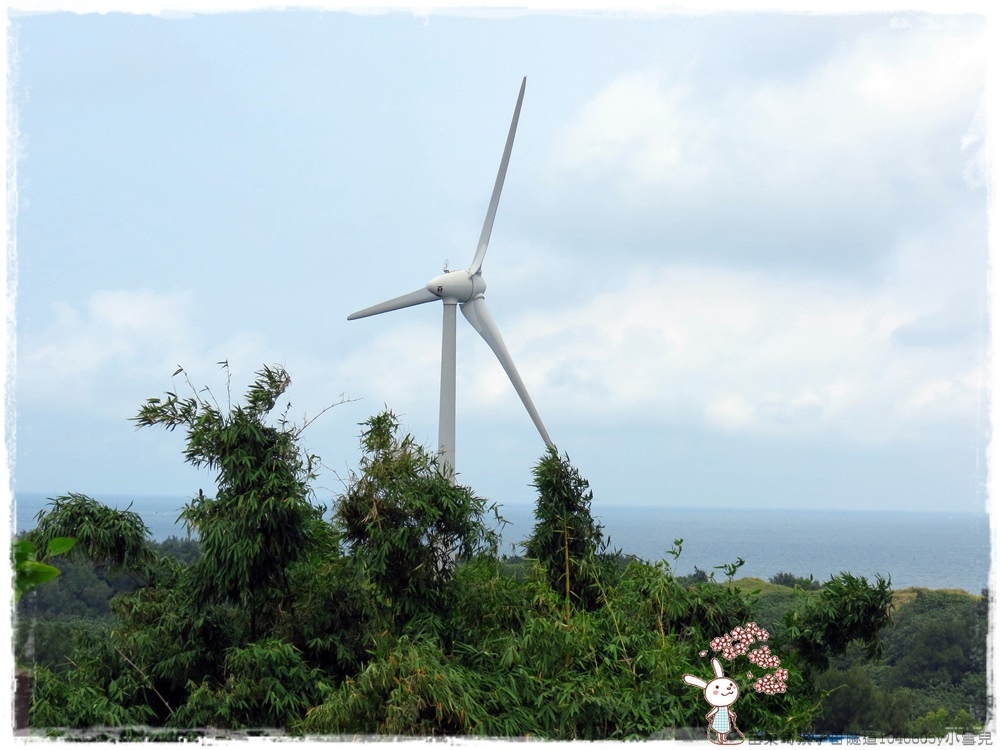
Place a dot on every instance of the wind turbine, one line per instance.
(465, 288)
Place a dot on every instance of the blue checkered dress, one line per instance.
(720, 722)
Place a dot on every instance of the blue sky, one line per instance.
(740, 259)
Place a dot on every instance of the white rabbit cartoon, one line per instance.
(720, 693)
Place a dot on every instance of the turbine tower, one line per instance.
(465, 288)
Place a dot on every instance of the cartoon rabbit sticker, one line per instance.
(720, 693)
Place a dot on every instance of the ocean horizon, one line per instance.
(930, 549)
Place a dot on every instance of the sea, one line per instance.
(937, 550)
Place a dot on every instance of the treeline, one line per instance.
(400, 618)
(78, 599)
(930, 677)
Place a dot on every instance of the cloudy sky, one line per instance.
(740, 260)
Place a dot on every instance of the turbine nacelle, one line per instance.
(457, 286)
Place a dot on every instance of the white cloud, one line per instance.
(91, 359)
(398, 364)
(742, 351)
(821, 168)
(729, 412)
(882, 96)
(632, 125)
(935, 401)
(119, 328)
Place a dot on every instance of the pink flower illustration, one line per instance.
(737, 643)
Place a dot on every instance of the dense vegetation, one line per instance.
(398, 617)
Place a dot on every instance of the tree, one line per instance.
(202, 639)
(398, 617)
(791, 581)
(260, 520)
(850, 704)
(566, 539)
(114, 540)
(848, 609)
(938, 638)
(406, 524)
(185, 551)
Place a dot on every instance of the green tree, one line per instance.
(938, 638)
(566, 540)
(406, 524)
(791, 581)
(847, 610)
(850, 704)
(195, 629)
(932, 724)
(267, 684)
(114, 540)
(185, 551)
(261, 519)
(398, 617)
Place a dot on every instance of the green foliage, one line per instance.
(937, 654)
(400, 619)
(172, 638)
(78, 591)
(72, 700)
(566, 540)
(185, 551)
(915, 690)
(932, 724)
(334, 614)
(772, 601)
(848, 609)
(192, 622)
(850, 705)
(517, 666)
(83, 590)
(698, 576)
(938, 638)
(406, 524)
(101, 690)
(409, 688)
(792, 581)
(116, 540)
(48, 619)
(50, 643)
(730, 568)
(30, 571)
(962, 721)
(614, 672)
(854, 704)
(266, 684)
(261, 520)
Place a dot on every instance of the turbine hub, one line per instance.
(460, 286)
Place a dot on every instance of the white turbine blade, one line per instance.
(484, 238)
(478, 315)
(418, 297)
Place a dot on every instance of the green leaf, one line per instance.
(60, 546)
(31, 574)
(22, 551)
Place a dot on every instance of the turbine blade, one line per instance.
(418, 297)
(478, 314)
(484, 237)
